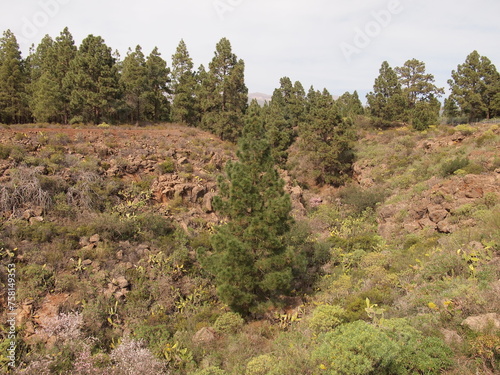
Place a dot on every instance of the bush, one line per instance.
(212, 370)
(361, 199)
(228, 323)
(326, 317)
(393, 348)
(168, 166)
(261, 365)
(451, 166)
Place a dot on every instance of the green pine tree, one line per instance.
(13, 82)
(226, 102)
(158, 79)
(250, 262)
(420, 93)
(183, 87)
(326, 140)
(134, 81)
(94, 81)
(65, 51)
(386, 102)
(475, 86)
(44, 91)
(349, 105)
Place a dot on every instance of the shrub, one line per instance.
(5, 151)
(131, 358)
(451, 166)
(326, 317)
(392, 348)
(229, 323)
(361, 199)
(212, 370)
(168, 166)
(261, 365)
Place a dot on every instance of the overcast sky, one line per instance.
(337, 44)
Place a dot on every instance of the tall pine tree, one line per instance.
(13, 81)
(226, 102)
(250, 262)
(326, 140)
(183, 87)
(134, 81)
(93, 79)
(386, 102)
(475, 86)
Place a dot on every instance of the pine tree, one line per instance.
(65, 51)
(326, 140)
(49, 65)
(349, 105)
(420, 93)
(250, 260)
(13, 81)
(386, 101)
(183, 87)
(93, 79)
(44, 91)
(134, 81)
(226, 103)
(158, 79)
(475, 86)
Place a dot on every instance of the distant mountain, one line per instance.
(261, 98)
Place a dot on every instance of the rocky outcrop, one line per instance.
(438, 208)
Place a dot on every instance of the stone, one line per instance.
(437, 214)
(122, 282)
(207, 202)
(35, 219)
(95, 238)
(204, 335)
(28, 214)
(451, 337)
(481, 323)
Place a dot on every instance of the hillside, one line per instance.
(104, 227)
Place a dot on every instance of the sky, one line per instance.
(334, 44)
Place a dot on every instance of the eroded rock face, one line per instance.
(438, 207)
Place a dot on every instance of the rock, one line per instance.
(35, 219)
(204, 335)
(207, 202)
(480, 323)
(87, 262)
(122, 282)
(315, 201)
(182, 160)
(437, 213)
(84, 241)
(28, 214)
(95, 238)
(197, 193)
(446, 227)
(451, 337)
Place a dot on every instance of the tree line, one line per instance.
(62, 83)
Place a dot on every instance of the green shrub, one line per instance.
(5, 151)
(451, 166)
(361, 199)
(326, 317)
(212, 370)
(261, 365)
(168, 166)
(395, 347)
(228, 323)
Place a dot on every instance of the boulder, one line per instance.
(481, 323)
(204, 335)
